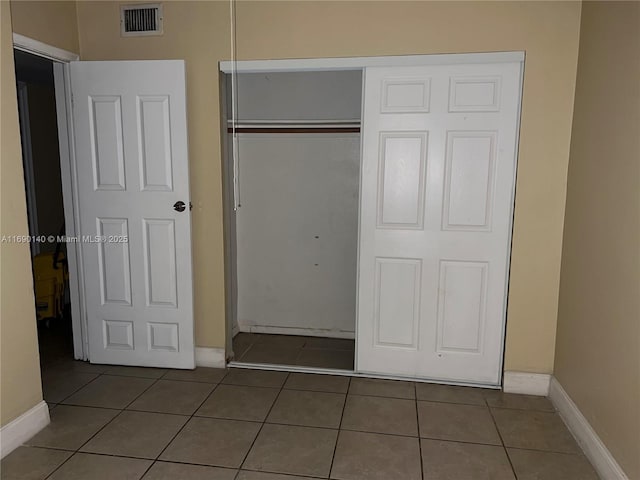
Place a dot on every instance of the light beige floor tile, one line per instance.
(247, 475)
(312, 409)
(283, 341)
(293, 450)
(464, 461)
(380, 415)
(456, 422)
(534, 430)
(254, 378)
(110, 392)
(59, 384)
(382, 388)
(238, 402)
(70, 365)
(169, 396)
(211, 441)
(142, 372)
(533, 465)
(200, 374)
(369, 456)
(72, 426)
(331, 343)
(272, 354)
(242, 342)
(450, 394)
(181, 471)
(317, 383)
(83, 466)
(326, 358)
(30, 463)
(520, 402)
(136, 434)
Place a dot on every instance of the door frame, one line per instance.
(351, 63)
(60, 59)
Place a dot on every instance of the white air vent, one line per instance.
(141, 19)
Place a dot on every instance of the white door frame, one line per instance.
(61, 59)
(361, 63)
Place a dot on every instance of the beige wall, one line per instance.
(199, 33)
(19, 359)
(51, 22)
(547, 31)
(598, 344)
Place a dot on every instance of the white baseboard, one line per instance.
(307, 332)
(210, 357)
(585, 435)
(21, 429)
(526, 383)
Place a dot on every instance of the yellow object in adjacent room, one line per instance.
(50, 275)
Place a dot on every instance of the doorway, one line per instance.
(294, 140)
(45, 206)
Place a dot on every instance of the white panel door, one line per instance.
(438, 170)
(130, 131)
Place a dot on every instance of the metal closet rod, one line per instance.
(294, 126)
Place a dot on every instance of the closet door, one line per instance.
(438, 170)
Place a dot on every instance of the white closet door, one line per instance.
(439, 159)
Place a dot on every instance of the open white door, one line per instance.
(439, 159)
(130, 131)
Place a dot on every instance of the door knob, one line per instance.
(179, 206)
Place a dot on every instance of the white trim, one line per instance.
(597, 453)
(68, 177)
(210, 357)
(307, 332)
(526, 383)
(355, 63)
(21, 429)
(36, 47)
(27, 162)
(512, 212)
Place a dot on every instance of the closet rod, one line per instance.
(294, 130)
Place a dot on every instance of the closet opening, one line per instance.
(291, 183)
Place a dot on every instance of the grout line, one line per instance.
(570, 454)
(278, 474)
(335, 447)
(415, 391)
(78, 389)
(109, 422)
(264, 421)
(504, 448)
(187, 422)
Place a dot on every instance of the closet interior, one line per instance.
(292, 202)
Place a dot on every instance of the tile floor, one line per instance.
(118, 423)
(334, 353)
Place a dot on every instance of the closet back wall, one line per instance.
(297, 226)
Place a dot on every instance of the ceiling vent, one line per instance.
(141, 19)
